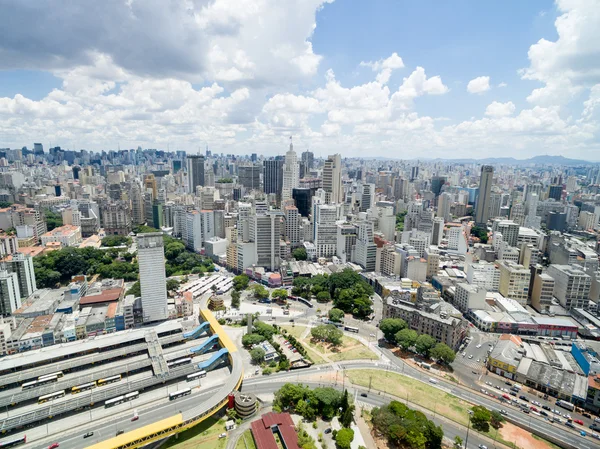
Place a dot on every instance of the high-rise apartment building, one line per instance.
(571, 286)
(265, 232)
(542, 292)
(482, 210)
(443, 208)
(10, 295)
(22, 265)
(137, 205)
(291, 173)
(195, 172)
(346, 241)
(116, 217)
(325, 229)
(332, 179)
(366, 250)
(514, 281)
(153, 282)
(292, 226)
(367, 197)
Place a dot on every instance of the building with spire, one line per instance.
(291, 173)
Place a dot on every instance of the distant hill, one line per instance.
(536, 160)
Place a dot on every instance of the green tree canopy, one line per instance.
(53, 219)
(480, 419)
(172, 285)
(480, 232)
(336, 315)
(323, 296)
(443, 353)
(264, 329)
(257, 355)
(259, 291)
(344, 438)
(328, 333)
(496, 419)
(116, 240)
(390, 327)
(406, 338)
(235, 299)
(424, 344)
(280, 294)
(250, 340)
(240, 282)
(299, 253)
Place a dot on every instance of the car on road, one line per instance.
(478, 360)
(372, 335)
(566, 415)
(478, 346)
(524, 398)
(470, 356)
(432, 380)
(364, 395)
(545, 407)
(482, 446)
(570, 424)
(89, 434)
(578, 421)
(488, 383)
(328, 430)
(120, 431)
(533, 409)
(587, 415)
(508, 383)
(558, 420)
(53, 446)
(526, 410)
(464, 354)
(583, 433)
(503, 412)
(596, 419)
(595, 435)
(543, 413)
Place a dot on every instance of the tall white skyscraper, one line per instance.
(153, 282)
(291, 173)
(332, 179)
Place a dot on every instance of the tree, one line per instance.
(336, 315)
(424, 344)
(400, 220)
(172, 285)
(406, 338)
(250, 340)
(458, 442)
(346, 417)
(390, 327)
(279, 294)
(259, 291)
(115, 240)
(344, 438)
(480, 419)
(299, 253)
(53, 219)
(264, 329)
(323, 296)
(174, 249)
(496, 419)
(257, 355)
(480, 233)
(134, 290)
(328, 333)
(235, 299)
(443, 353)
(241, 282)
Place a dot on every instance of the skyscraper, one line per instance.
(249, 176)
(22, 265)
(273, 176)
(137, 204)
(153, 282)
(308, 159)
(195, 172)
(555, 192)
(303, 200)
(291, 173)
(10, 295)
(332, 179)
(482, 211)
(366, 250)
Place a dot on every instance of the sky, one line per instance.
(387, 78)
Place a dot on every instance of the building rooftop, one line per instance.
(110, 295)
(62, 231)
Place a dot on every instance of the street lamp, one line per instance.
(468, 426)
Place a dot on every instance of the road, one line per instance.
(107, 428)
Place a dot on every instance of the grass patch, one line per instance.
(204, 435)
(417, 392)
(246, 441)
(295, 331)
(360, 353)
(350, 349)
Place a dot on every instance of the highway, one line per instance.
(107, 428)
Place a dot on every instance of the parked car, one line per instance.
(570, 424)
(53, 446)
(364, 395)
(89, 434)
(120, 431)
(578, 421)
(524, 398)
(587, 415)
(328, 430)
(545, 407)
(222, 435)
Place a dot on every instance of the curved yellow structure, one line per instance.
(183, 421)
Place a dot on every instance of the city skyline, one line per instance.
(478, 81)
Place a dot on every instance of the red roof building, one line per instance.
(264, 429)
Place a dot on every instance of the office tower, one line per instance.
(443, 209)
(367, 197)
(177, 165)
(437, 183)
(253, 157)
(346, 239)
(509, 230)
(571, 286)
(386, 219)
(332, 179)
(482, 209)
(195, 172)
(542, 292)
(76, 170)
(192, 231)
(555, 192)
(365, 249)
(137, 204)
(290, 174)
(265, 232)
(556, 221)
(414, 173)
(399, 188)
(150, 186)
(587, 220)
(273, 176)
(38, 149)
(22, 265)
(249, 176)
(325, 229)
(514, 281)
(292, 225)
(10, 295)
(153, 282)
(571, 184)
(303, 200)
(308, 158)
(438, 231)
(495, 205)
(157, 215)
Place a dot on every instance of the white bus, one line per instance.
(57, 374)
(197, 375)
(180, 393)
(51, 396)
(565, 404)
(351, 329)
(120, 399)
(179, 362)
(14, 441)
(131, 396)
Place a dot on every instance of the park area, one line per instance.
(440, 402)
(323, 352)
(246, 441)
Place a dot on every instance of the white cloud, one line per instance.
(571, 63)
(385, 67)
(496, 109)
(479, 85)
(502, 84)
(416, 85)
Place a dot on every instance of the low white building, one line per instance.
(67, 235)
